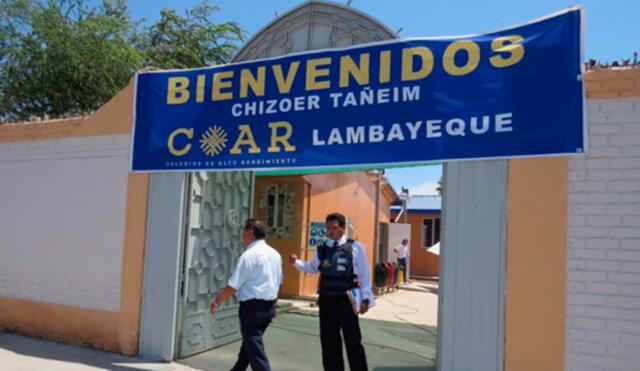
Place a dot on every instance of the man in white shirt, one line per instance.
(403, 251)
(255, 282)
(344, 274)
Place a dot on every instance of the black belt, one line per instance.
(257, 301)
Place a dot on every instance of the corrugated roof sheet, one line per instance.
(416, 203)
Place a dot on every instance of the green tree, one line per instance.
(66, 57)
(191, 41)
(62, 57)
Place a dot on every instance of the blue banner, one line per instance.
(515, 92)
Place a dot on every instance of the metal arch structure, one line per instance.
(313, 25)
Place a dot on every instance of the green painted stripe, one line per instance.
(341, 169)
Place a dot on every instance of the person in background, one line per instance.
(256, 283)
(344, 291)
(403, 252)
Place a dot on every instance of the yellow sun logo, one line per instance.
(213, 141)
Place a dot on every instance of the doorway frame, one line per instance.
(163, 262)
(471, 304)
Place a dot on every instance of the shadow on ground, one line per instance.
(293, 344)
(44, 349)
(429, 288)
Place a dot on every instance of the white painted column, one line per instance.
(162, 265)
(472, 266)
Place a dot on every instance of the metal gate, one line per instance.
(219, 203)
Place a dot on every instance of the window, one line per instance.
(430, 231)
(276, 209)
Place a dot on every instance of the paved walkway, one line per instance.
(399, 333)
(21, 353)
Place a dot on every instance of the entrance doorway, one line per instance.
(400, 331)
(471, 314)
(218, 203)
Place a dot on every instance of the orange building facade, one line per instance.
(289, 204)
(424, 217)
(422, 262)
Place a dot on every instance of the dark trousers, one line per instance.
(255, 316)
(403, 264)
(336, 313)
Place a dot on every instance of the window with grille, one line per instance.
(276, 209)
(430, 231)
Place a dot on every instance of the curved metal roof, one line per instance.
(314, 25)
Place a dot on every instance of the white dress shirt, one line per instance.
(360, 268)
(258, 274)
(402, 251)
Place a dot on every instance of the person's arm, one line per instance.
(364, 278)
(280, 281)
(274, 312)
(237, 279)
(304, 266)
(227, 292)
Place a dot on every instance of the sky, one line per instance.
(611, 33)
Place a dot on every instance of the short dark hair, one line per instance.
(405, 239)
(338, 217)
(256, 227)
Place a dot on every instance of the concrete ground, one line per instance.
(21, 353)
(399, 333)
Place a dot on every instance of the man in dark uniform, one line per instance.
(344, 291)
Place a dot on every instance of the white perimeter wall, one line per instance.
(62, 217)
(397, 232)
(603, 304)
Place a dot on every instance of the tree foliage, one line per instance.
(190, 41)
(440, 187)
(65, 57)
